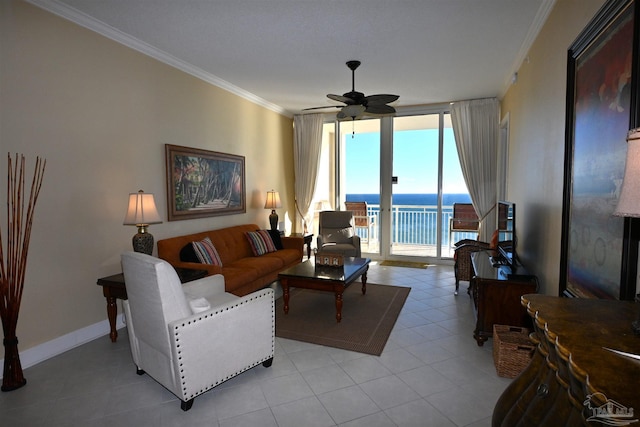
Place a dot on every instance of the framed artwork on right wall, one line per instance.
(599, 251)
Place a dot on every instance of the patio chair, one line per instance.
(361, 216)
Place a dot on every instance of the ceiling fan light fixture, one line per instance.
(352, 111)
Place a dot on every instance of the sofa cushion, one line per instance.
(261, 242)
(287, 256)
(236, 277)
(262, 265)
(206, 252)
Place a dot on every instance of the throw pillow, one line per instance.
(277, 240)
(261, 242)
(187, 254)
(206, 252)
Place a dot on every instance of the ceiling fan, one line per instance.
(356, 103)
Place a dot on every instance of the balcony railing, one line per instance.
(415, 225)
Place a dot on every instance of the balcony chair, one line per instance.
(193, 337)
(464, 220)
(361, 216)
(336, 233)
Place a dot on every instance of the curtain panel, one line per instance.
(476, 126)
(307, 142)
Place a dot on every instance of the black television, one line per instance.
(507, 237)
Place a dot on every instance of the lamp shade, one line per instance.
(273, 200)
(629, 201)
(141, 210)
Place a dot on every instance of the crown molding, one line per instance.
(118, 36)
(532, 34)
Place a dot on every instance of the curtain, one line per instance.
(476, 126)
(307, 142)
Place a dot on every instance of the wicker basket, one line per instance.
(512, 350)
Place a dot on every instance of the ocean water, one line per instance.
(412, 199)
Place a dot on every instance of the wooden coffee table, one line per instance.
(323, 278)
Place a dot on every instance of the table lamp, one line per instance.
(141, 212)
(273, 203)
(629, 201)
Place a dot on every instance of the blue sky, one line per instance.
(415, 163)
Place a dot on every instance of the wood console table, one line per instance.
(113, 287)
(572, 380)
(496, 293)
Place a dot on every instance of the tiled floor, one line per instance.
(431, 373)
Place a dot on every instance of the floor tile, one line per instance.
(431, 373)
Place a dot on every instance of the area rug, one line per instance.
(367, 320)
(409, 264)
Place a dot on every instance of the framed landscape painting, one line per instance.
(598, 258)
(202, 183)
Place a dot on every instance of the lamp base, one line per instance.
(143, 243)
(273, 220)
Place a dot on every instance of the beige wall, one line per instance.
(536, 108)
(100, 114)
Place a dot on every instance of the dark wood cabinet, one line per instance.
(574, 379)
(496, 293)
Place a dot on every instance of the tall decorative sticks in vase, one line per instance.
(13, 262)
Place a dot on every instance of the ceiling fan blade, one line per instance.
(321, 108)
(340, 98)
(381, 99)
(380, 109)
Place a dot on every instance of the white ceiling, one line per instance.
(289, 54)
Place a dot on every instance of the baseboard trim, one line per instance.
(49, 349)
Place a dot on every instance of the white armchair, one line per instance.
(192, 337)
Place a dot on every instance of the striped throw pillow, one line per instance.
(206, 252)
(261, 242)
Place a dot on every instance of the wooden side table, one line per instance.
(113, 287)
(308, 238)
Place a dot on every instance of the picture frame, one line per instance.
(599, 251)
(203, 183)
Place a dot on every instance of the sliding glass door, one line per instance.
(360, 162)
(427, 180)
(406, 170)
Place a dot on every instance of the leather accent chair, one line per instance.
(193, 337)
(336, 234)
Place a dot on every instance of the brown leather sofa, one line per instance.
(243, 272)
